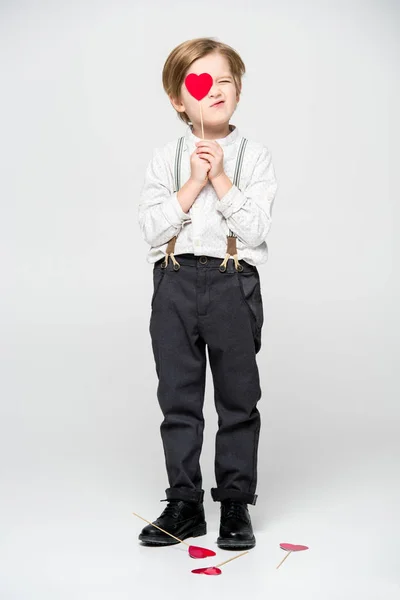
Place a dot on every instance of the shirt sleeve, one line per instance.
(249, 212)
(160, 214)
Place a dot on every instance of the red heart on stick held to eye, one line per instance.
(293, 547)
(198, 85)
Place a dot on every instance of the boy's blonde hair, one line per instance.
(180, 59)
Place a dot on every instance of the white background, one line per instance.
(82, 107)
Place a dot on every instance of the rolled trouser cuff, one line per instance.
(188, 494)
(219, 494)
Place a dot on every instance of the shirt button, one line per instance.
(197, 242)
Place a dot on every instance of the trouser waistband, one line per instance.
(212, 262)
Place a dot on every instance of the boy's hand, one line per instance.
(211, 151)
(199, 168)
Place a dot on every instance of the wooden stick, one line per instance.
(150, 523)
(202, 129)
(201, 119)
(233, 558)
(290, 551)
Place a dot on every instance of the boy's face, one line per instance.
(223, 88)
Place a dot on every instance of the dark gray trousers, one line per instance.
(192, 307)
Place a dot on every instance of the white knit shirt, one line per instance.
(203, 230)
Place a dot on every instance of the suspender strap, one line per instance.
(178, 163)
(238, 168)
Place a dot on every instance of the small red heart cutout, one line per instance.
(293, 547)
(208, 571)
(198, 85)
(198, 552)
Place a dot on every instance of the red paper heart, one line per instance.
(198, 552)
(198, 85)
(293, 547)
(208, 571)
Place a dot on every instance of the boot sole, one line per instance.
(226, 544)
(196, 532)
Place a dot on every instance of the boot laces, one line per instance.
(235, 509)
(171, 509)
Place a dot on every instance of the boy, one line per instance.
(200, 299)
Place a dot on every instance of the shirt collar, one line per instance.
(225, 141)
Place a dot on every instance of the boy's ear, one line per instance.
(238, 93)
(177, 104)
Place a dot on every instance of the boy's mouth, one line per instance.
(217, 104)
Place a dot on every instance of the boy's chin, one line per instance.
(210, 123)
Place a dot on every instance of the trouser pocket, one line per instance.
(250, 288)
(158, 277)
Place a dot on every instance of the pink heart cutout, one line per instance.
(208, 571)
(293, 547)
(198, 86)
(198, 552)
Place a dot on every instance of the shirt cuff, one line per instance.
(231, 202)
(173, 211)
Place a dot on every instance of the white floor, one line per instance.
(81, 544)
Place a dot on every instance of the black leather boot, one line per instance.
(235, 532)
(181, 518)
